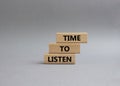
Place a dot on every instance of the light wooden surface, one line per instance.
(71, 48)
(59, 58)
(81, 37)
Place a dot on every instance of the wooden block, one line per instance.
(64, 48)
(59, 58)
(81, 37)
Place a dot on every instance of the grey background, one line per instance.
(28, 26)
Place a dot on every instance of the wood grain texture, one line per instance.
(59, 58)
(79, 37)
(64, 48)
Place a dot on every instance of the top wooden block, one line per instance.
(79, 37)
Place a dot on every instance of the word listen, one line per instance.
(58, 58)
(72, 37)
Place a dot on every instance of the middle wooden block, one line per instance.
(64, 48)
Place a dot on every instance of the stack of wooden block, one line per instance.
(65, 48)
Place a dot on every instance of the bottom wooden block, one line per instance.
(59, 58)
